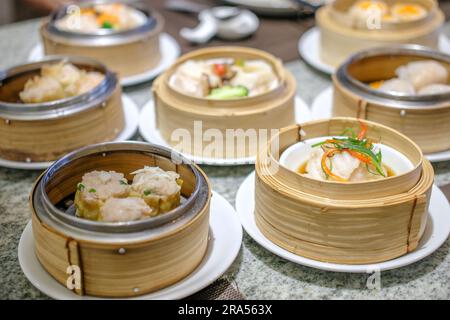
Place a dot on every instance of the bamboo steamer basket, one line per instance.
(340, 38)
(120, 259)
(110, 47)
(45, 131)
(347, 223)
(425, 118)
(271, 110)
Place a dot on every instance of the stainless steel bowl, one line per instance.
(83, 229)
(58, 108)
(345, 77)
(153, 24)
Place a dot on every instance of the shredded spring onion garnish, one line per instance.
(358, 146)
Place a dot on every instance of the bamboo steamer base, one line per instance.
(326, 225)
(106, 273)
(338, 41)
(46, 140)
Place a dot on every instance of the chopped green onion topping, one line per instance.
(123, 183)
(92, 190)
(80, 187)
(107, 25)
(147, 192)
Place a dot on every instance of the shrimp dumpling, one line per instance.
(423, 73)
(95, 189)
(124, 209)
(41, 89)
(397, 86)
(435, 89)
(160, 189)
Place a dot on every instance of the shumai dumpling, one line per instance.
(408, 11)
(95, 189)
(423, 73)
(65, 73)
(160, 189)
(124, 209)
(363, 11)
(41, 89)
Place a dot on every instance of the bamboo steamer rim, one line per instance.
(63, 107)
(173, 221)
(164, 91)
(434, 19)
(264, 173)
(150, 29)
(424, 103)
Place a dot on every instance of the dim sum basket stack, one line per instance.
(348, 223)
(120, 259)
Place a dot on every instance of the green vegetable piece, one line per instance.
(80, 187)
(228, 92)
(107, 25)
(147, 192)
(92, 190)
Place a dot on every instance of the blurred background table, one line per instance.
(257, 273)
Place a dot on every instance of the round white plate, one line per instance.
(322, 109)
(223, 247)
(150, 133)
(170, 50)
(436, 233)
(309, 48)
(131, 112)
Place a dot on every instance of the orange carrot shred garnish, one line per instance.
(327, 170)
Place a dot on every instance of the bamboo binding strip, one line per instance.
(175, 110)
(339, 40)
(424, 119)
(350, 223)
(120, 263)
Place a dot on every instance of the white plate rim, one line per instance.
(309, 49)
(150, 133)
(227, 232)
(245, 212)
(321, 109)
(170, 51)
(131, 111)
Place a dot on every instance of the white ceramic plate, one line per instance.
(170, 50)
(223, 247)
(309, 48)
(322, 109)
(436, 233)
(131, 124)
(150, 133)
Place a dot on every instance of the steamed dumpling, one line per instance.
(95, 188)
(65, 73)
(408, 11)
(423, 73)
(397, 86)
(256, 75)
(42, 89)
(160, 189)
(435, 89)
(124, 209)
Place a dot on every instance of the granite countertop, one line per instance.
(258, 273)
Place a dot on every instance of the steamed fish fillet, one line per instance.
(124, 209)
(423, 73)
(42, 89)
(343, 165)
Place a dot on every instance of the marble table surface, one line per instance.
(257, 273)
